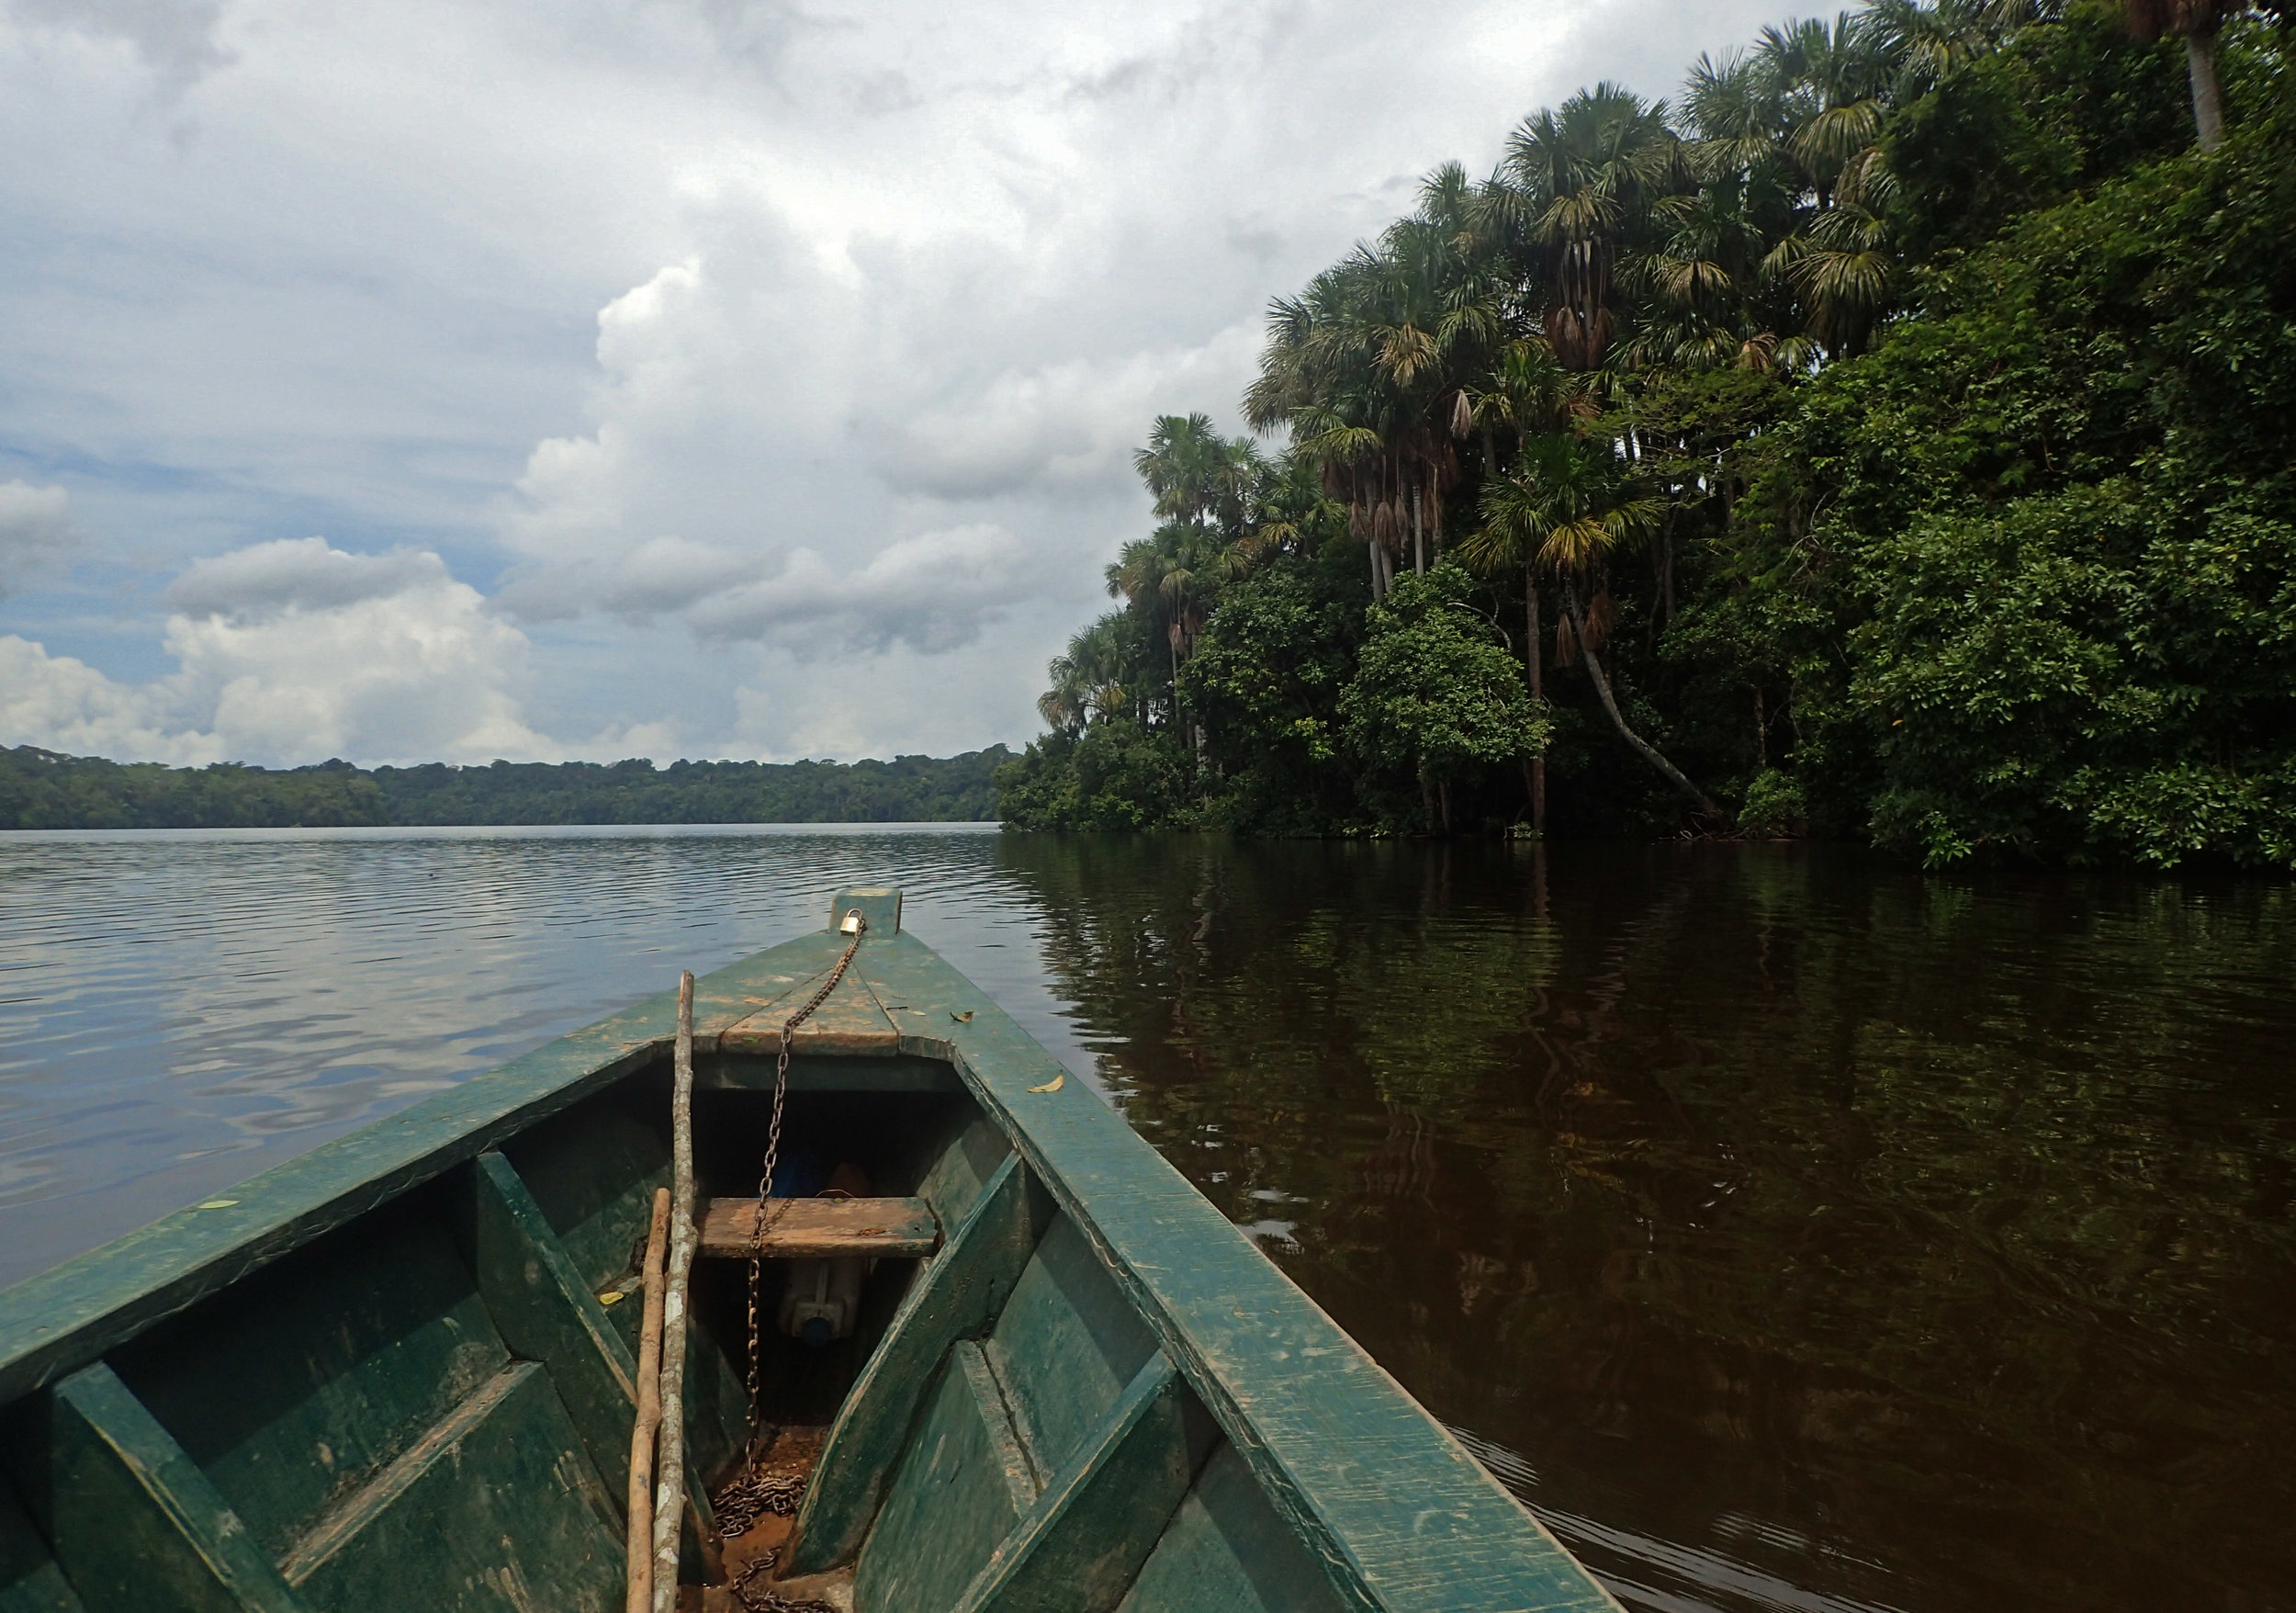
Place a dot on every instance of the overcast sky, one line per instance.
(667, 377)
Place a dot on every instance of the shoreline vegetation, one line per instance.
(1891, 438)
(40, 789)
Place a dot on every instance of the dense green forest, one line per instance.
(40, 789)
(1893, 437)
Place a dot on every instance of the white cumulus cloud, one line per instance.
(267, 580)
(62, 705)
(290, 653)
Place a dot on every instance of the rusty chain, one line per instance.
(770, 1600)
(739, 1491)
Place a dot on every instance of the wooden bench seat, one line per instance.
(813, 1229)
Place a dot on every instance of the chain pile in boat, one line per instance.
(751, 1495)
(770, 1600)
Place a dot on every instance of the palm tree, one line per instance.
(1524, 392)
(1570, 195)
(1831, 86)
(1927, 41)
(1195, 474)
(2197, 22)
(1289, 512)
(1710, 300)
(1174, 577)
(1521, 393)
(1087, 680)
(1365, 366)
(1565, 506)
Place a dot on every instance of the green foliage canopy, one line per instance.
(1943, 392)
(1434, 696)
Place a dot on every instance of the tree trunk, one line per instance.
(1371, 552)
(1535, 655)
(1426, 801)
(1442, 795)
(1665, 557)
(1418, 535)
(1531, 657)
(1649, 751)
(2208, 93)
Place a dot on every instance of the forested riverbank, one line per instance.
(1893, 436)
(40, 789)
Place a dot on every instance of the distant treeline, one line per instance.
(40, 789)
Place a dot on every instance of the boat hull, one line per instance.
(394, 1372)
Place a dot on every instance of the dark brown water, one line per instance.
(1795, 1232)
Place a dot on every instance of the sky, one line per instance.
(709, 379)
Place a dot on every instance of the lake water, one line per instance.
(1792, 1231)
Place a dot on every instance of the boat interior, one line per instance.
(430, 1405)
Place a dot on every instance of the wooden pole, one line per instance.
(670, 1484)
(639, 1550)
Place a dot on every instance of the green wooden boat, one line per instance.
(390, 1373)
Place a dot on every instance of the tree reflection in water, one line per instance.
(1793, 1230)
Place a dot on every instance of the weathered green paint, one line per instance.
(849, 1021)
(1065, 1346)
(593, 1173)
(316, 1373)
(409, 1394)
(961, 1168)
(960, 1487)
(30, 1582)
(1080, 1547)
(880, 905)
(496, 1507)
(546, 1312)
(132, 1521)
(65, 1318)
(1227, 1551)
(958, 1295)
